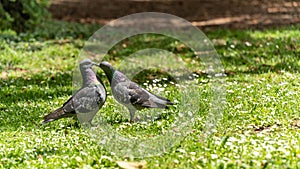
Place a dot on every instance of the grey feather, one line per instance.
(130, 93)
(87, 101)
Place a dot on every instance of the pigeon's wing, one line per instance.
(141, 98)
(65, 111)
(128, 92)
(138, 96)
(86, 100)
(68, 106)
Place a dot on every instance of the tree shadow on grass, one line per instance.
(35, 87)
(282, 66)
(26, 99)
(264, 68)
(257, 52)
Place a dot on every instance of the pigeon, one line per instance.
(87, 101)
(130, 94)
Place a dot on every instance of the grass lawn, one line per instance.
(259, 127)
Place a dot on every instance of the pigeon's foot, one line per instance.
(131, 116)
(87, 125)
(93, 125)
(138, 118)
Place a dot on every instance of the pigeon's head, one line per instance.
(86, 63)
(108, 69)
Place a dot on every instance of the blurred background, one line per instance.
(20, 15)
(203, 13)
(259, 46)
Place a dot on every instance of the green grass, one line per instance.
(259, 127)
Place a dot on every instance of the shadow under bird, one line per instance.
(87, 101)
(130, 93)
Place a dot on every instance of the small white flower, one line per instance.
(214, 156)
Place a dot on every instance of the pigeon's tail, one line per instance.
(161, 102)
(55, 115)
(166, 103)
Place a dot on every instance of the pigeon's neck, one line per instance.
(88, 77)
(109, 73)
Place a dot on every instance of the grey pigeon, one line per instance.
(130, 93)
(87, 101)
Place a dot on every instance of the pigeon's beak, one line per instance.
(95, 64)
(105, 64)
(100, 65)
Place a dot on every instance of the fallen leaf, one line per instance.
(4, 75)
(132, 165)
(296, 123)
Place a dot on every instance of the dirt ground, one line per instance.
(241, 14)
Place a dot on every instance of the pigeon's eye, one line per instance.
(86, 64)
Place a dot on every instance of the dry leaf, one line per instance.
(296, 123)
(132, 165)
(4, 75)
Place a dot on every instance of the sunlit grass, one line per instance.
(259, 127)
